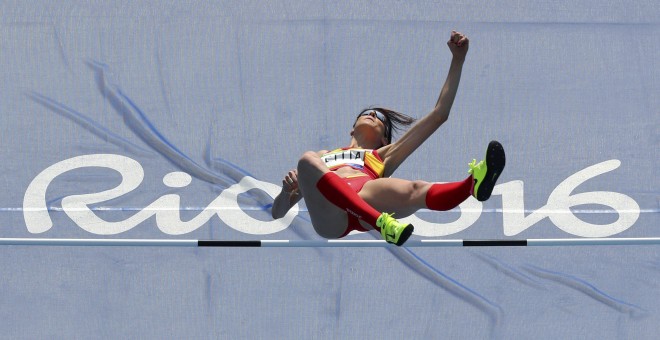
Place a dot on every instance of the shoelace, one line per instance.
(474, 165)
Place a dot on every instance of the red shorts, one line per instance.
(356, 183)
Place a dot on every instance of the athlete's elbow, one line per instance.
(276, 214)
(440, 116)
(276, 210)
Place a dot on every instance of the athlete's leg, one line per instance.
(405, 197)
(329, 220)
(322, 189)
(447, 196)
(324, 192)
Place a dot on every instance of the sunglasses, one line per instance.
(376, 114)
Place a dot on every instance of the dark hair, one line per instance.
(395, 120)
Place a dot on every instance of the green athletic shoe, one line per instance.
(486, 172)
(392, 230)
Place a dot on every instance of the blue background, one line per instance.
(222, 90)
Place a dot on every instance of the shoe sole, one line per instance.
(405, 234)
(495, 161)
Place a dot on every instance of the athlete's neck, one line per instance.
(365, 144)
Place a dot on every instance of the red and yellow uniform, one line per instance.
(365, 160)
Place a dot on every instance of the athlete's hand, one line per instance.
(290, 182)
(458, 44)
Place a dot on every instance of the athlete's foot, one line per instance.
(392, 230)
(486, 172)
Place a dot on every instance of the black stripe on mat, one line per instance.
(494, 243)
(218, 243)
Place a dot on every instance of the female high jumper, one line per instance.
(350, 188)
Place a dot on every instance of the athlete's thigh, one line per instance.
(395, 195)
(329, 220)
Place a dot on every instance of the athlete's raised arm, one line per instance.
(394, 154)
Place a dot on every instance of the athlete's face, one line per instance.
(375, 114)
(375, 117)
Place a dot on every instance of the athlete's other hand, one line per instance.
(458, 44)
(290, 182)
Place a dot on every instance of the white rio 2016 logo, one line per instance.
(166, 208)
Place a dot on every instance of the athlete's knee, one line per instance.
(309, 159)
(418, 187)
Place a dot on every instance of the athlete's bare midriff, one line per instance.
(347, 171)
